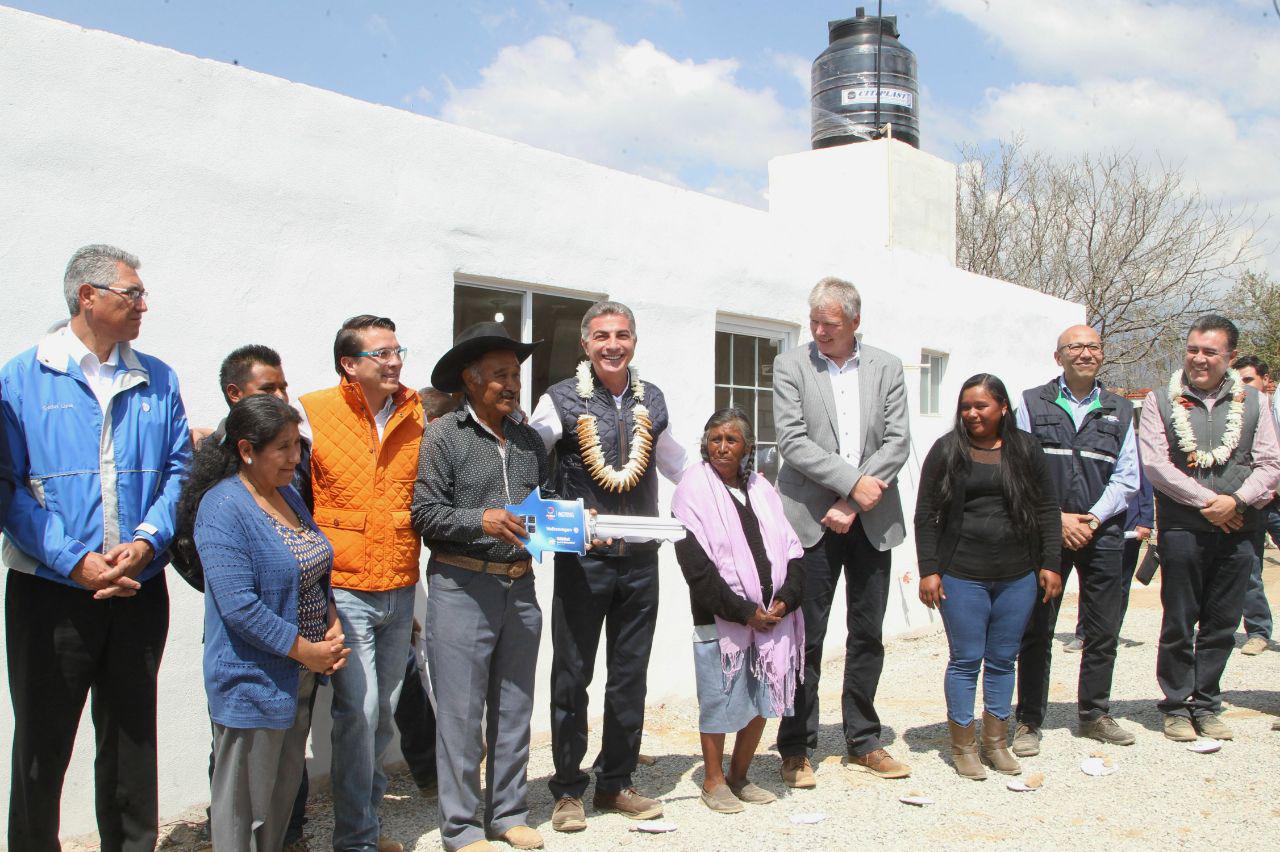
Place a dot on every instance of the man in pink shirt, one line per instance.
(1209, 449)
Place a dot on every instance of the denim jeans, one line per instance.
(1257, 612)
(985, 621)
(365, 691)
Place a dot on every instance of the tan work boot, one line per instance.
(797, 773)
(964, 751)
(568, 814)
(995, 745)
(1254, 646)
(1212, 727)
(1026, 740)
(521, 837)
(627, 802)
(878, 763)
(1178, 729)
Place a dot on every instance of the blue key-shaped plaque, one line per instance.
(555, 525)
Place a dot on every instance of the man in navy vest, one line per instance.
(611, 437)
(1209, 449)
(1088, 440)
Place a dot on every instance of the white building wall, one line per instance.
(267, 211)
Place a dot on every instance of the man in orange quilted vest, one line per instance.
(365, 433)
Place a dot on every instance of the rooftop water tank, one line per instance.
(845, 89)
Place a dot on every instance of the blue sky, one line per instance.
(702, 94)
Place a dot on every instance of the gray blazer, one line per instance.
(813, 474)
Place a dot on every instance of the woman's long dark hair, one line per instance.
(1018, 481)
(257, 419)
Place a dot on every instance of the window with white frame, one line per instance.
(933, 365)
(528, 314)
(744, 378)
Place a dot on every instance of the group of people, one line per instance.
(303, 525)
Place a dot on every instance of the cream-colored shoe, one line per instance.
(522, 837)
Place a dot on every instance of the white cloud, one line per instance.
(1203, 46)
(418, 97)
(494, 20)
(629, 106)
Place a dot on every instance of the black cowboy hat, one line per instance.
(469, 346)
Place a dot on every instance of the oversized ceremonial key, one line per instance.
(565, 526)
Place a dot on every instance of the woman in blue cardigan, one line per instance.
(270, 626)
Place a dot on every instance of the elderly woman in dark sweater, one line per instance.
(745, 586)
(988, 536)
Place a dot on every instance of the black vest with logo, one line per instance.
(615, 425)
(1209, 426)
(1081, 460)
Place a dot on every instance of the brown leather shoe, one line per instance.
(797, 773)
(880, 764)
(386, 844)
(627, 802)
(568, 814)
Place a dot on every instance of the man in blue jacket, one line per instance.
(98, 440)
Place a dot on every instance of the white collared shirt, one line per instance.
(101, 375)
(844, 388)
(383, 417)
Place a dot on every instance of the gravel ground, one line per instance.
(1161, 795)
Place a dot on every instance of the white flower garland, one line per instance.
(1186, 433)
(610, 478)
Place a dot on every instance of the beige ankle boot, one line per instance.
(995, 745)
(964, 751)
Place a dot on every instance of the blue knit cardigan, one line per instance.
(250, 608)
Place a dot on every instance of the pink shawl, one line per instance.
(703, 504)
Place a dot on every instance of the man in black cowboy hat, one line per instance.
(611, 438)
(483, 621)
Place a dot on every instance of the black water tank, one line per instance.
(844, 83)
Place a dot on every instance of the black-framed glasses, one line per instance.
(133, 294)
(1077, 348)
(384, 355)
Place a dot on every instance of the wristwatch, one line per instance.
(1093, 523)
(1240, 504)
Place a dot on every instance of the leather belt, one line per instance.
(513, 570)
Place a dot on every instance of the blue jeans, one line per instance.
(1257, 612)
(985, 621)
(365, 691)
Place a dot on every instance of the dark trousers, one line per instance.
(62, 647)
(866, 593)
(1203, 580)
(1128, 565)
(1103, 598)
(416, 722)
(620, 595)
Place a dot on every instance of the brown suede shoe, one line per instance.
(386, 844)
(797, 773)
(521, 837)
(627, 802)
(878, 763)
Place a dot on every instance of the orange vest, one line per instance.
(363, 486)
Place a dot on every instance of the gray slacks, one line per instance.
(256, 773)
(482, 643)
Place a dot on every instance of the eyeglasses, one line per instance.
(133, 294)
(1200, 350)
(382, 356)
(1077, 348)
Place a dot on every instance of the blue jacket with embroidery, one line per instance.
(86, 482)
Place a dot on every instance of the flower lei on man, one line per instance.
(1186, 433)
(610, 478)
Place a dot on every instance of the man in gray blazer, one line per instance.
(841, 413)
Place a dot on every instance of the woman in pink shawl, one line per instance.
(741, 560)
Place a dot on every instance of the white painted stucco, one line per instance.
(267, 211)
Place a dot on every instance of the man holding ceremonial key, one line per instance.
(609, 430)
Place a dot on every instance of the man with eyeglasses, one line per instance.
(1209, 449)
(365, 433)
(1087, 435)
(1257, 611)
(99, 441)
